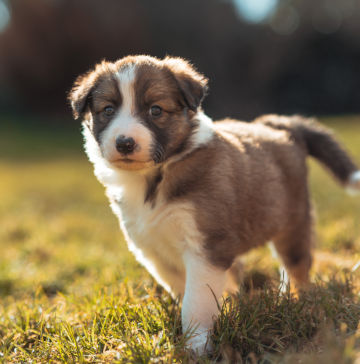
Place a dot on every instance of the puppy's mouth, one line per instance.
(130, 161)
(126, 160)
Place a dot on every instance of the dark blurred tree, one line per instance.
(285, 64)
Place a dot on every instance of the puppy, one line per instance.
(192, 195)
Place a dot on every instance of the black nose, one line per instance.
(125, 145)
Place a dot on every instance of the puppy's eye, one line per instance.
(108, 111)
(155, 110)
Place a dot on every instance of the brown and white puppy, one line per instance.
(193, 195)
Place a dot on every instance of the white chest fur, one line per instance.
(158, 234)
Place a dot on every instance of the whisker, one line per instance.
(158, 153)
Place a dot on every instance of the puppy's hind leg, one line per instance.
(294, 249)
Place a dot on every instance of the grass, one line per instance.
(71, 292)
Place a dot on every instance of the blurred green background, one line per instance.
(261, 56)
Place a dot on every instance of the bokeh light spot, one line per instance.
(285, 21)
(4, 16)
(255, 11)
(345, 7)
(327, 19)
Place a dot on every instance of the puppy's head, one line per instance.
(140, 110)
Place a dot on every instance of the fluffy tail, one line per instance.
(320, 144)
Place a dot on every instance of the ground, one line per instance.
(71, 292)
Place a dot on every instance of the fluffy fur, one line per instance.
(193, 195)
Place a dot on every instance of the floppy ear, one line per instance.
(80, 93)
(192, 84)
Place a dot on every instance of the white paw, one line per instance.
(199, 342)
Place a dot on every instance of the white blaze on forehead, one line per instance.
(125, 122)
(126, 79)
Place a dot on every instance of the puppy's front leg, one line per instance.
(199, 304)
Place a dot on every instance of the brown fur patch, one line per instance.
(153, 182)
(253, 188)
(249, 186)
(156, 86)
(192, 84)
(84, 85)
(169, 84)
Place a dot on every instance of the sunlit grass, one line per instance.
(71, 292)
